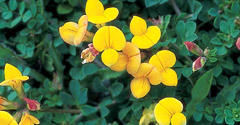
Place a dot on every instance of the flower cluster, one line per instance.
(14, 78)
(117, 53)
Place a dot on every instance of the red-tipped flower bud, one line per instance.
(198, 63)
(238, 43)
(195, 49)
(32, 105)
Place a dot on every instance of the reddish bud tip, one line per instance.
(198, 63)
(192, 47)
(32, 105)
(238, 43)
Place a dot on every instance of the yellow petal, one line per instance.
(178, 119)
(163, 59)
(154, 77)
(101, 39)
(121, 63)
(109, 37)
(140, 87)
(7, 119)
(11, 72)
(133, 64)
(131, 49)
(117, 38)
(138, 26)
(109, 57)
(162, 115)
(68, 32)
(94, 8)
(80, 35)
(142, 42)
(154, 34)
(143, 70)
(110, 13)
(34, 120)
(83, 21)
(172, 105)
(169, 77)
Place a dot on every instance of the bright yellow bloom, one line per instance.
(168, 110)
(96, 13)
(144, 37)
(109, 39)
(129, 59)
(163, 61)
(13, 78)
(28, 120)
(140, 85)
(7, 119)
(147, 116)
(73, 33)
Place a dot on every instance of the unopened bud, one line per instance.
(195, 49)
(32, 105)
(238, 43)
(198, 63)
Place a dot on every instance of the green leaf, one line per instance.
(229, 120)
(21, 8)
(66, 98)
(149, 3)
(199, 92)
(6, 15)
(104, 111)
(228, 112)
(197, 116)
(74, 88)
(89, 69)
(219, 119)
(12, 4)
(123, 112)
(213, 12)
(208, 117)
(180, 30)
(216, 41)
(83, 96)
(87, 110)
(73, 2)
(31, 23)
(221, 50)
(217, 70)
(187, 71)
(224, 27)
(26, 16)
(116, 89)
(64, 9)
(16, 21)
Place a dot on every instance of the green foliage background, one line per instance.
(72, 93)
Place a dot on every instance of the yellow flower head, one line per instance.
(129, 59)
(140, 85)
(28, 119)
(109, 39)
(144, 37)
(163, 61)
(13, 77)
(73, 33)
(147, 116)
(168, 110)
(96, 13)
(7, 119)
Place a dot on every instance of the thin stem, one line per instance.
(175, 7)
(61, 110)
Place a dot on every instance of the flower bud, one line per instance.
(89, 54)
(32, 105)
(195, 49)
(6, 104)
(238, 43)
(198, 63)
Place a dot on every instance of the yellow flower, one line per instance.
(144, 37)
(147, 116)
(28, 120)
(96, 13)
(168, 110)
(7, 119)
(140, 85)
(13, 78)
(109, 39)
(73, 33)
(163, 61)
(129, 59)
